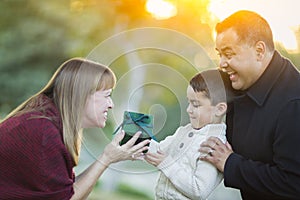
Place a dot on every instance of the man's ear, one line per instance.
(261, 50)
(221, 109)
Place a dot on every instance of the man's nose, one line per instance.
(223, 64)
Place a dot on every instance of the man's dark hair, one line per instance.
(249, 26)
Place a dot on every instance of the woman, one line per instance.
(40, 140)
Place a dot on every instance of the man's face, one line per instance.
(239, 60)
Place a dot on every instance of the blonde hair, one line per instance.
(69, 88)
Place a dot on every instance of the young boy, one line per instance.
(183, 175)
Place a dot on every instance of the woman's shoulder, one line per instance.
(38, 121)
(29, 133)
(30, 125)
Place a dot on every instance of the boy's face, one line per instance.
(200, 110)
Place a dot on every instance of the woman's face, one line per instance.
(96, 109)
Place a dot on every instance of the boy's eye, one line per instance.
(196, 105)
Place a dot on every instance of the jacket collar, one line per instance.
(262, 87)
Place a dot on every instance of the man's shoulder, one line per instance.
(288, 84)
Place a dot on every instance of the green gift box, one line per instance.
(134, 122)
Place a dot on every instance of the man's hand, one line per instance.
(215, 152)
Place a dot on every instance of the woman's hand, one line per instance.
(155, 158)
(113, 152)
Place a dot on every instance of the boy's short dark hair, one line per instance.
(210, 82)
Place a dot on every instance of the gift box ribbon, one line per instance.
(142, 121)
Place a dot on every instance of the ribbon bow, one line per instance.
(141, 121)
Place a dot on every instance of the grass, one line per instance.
(123, 192)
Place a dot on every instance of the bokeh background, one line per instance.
(37, 36)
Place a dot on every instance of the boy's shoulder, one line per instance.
(211, 127)
(187, 127)
(182, 130)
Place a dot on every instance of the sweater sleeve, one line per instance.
(282, 178)
(56, 165)
(194, 183)
(164, 145)
(194, 178)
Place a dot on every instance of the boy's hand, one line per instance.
(155, 158)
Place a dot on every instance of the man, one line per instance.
(264, 118)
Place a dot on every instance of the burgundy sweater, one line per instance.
(34, 162)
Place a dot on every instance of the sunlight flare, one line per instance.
(161, 9)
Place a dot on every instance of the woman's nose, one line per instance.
(111, 104)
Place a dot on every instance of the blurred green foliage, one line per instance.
(125, 189)
(37, 36)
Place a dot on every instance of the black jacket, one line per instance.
(264, 131)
